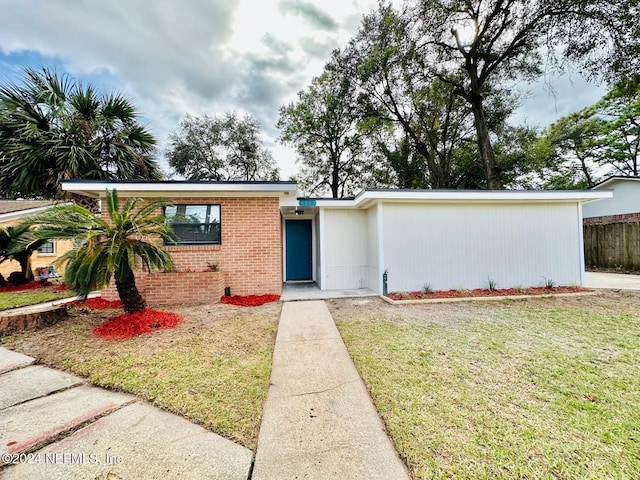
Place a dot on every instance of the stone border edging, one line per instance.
(470, 299)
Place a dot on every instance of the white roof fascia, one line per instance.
(333, 203)
(365, 198)
(609, 181)
(179, 189)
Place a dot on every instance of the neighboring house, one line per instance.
(260, 235)
(612, 226)
(13, 212)
(624, 206)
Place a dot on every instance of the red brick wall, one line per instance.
(622, 218)
(249, 257)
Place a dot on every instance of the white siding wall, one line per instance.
(374, 273)
(346, 250)
(453, 246)
(626, 199)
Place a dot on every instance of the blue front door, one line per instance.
(298, 249)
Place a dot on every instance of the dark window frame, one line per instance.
(46, 245)
(187, 241)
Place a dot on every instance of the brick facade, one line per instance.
(608, 219)
(249, 257)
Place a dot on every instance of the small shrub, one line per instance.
(462, 290)
(549, 283)
(213, 267)
(519, 289)
(493, 286)
(427, 289)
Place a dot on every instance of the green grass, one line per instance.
(536, 389)
(30, 297)
(212, 369)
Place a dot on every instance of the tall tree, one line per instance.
(108, 248)
(393, 87)
(221, 148)
(52, 128)
(476, 44)
(619, 115)
(322, 125)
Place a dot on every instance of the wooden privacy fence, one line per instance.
(614, 245)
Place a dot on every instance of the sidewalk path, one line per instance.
(55, 426)
(319, 421)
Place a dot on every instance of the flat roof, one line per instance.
(177, 188)
(368, 197)
(614, 179)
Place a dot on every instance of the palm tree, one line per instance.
(11, 248)
(108, 248)
(53, 129)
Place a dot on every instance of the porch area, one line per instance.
(297, 291)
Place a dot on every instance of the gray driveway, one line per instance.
(612, 280)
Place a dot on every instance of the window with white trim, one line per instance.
(47, 248)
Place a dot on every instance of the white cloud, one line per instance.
(200, 56)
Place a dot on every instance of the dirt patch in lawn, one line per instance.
(213, 368)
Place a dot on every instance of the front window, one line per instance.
(195, 224)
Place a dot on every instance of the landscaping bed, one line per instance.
(485, 292)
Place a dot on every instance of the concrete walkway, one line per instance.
(619, 281)
(319, 421)
(55, 426)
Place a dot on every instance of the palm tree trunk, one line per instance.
(24, 259)
(131, 299)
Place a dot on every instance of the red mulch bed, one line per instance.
(63, 287)
(34, 284)
(483, 292)
(133, 324)
(98, 303)
(249, 300)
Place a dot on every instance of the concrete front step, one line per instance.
(138, 441)
(19, 386)
(30, 425)
(11, 360)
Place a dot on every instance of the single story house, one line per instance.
(624, 206)
(13, 212)
(260, 235)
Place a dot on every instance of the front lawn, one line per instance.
(213, 368)
(31, 297)
(543, 388)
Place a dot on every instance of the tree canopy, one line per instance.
(220, 148)
(53, 128)
(322, 125)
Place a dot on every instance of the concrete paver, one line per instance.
(26, 426)
(612, 280)
(19, 386)
(10, 360)
(319, 421)
(142, 442)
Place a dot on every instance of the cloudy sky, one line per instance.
(210, 56)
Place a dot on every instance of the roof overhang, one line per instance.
(19, 214)
(366, 198)
(609, 182)
(173, 189)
